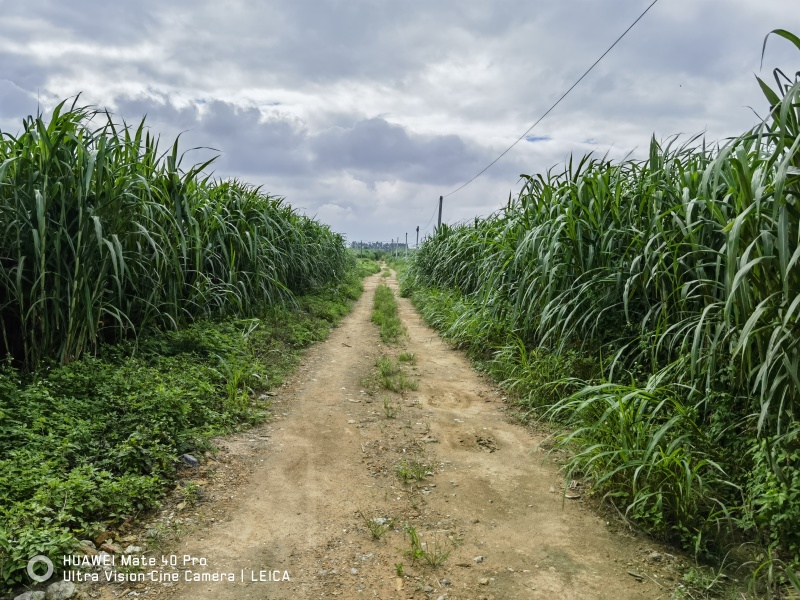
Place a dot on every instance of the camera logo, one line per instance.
(40, 558)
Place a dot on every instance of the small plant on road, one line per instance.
(414, 470)
(392, 377)
(390, 409)
(191, 493)
(386, 367)
(408, 357)
(417, 551)
(399, 383)
(433, 554)
(377, 526)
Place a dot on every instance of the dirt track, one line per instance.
(328, 464)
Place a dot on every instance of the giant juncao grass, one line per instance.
(675, 280)
(102, 234)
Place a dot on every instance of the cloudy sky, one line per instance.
(364, 112)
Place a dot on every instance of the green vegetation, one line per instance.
(367, 266)
(390, 409)
(384, 315)
(400, 264)
(375, 255)
(104, 236)
(386, 366)
(392, 377)
(414, 470)
(408, 357)
(143, 310)
(432, 554)
(377, 526)
(88, 444)
(653, 309)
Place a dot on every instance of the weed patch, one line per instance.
(433, 554)
(414, 470)
(390, 409)
(392, 377)
(408, 357)
(377, 526)
(384, 315)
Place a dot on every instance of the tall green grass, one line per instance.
(102, 234)
(211, 287)
(660, 298)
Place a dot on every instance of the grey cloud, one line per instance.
(243, 141)
(274, 146)
(372, 150)
(82, 20)
(303, 44)
(158, 109)
(22, 73)
(377, 149)
(15, 102)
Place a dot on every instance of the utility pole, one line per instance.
(406, 245)
(440, 210)
(417, 244)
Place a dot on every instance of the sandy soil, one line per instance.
(295, 498)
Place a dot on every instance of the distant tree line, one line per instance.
(385, 246)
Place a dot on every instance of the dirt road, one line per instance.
(330, 468)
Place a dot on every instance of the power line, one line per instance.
(564, 95)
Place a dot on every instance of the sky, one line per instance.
(361, 113)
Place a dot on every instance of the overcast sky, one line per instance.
(364, 112)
